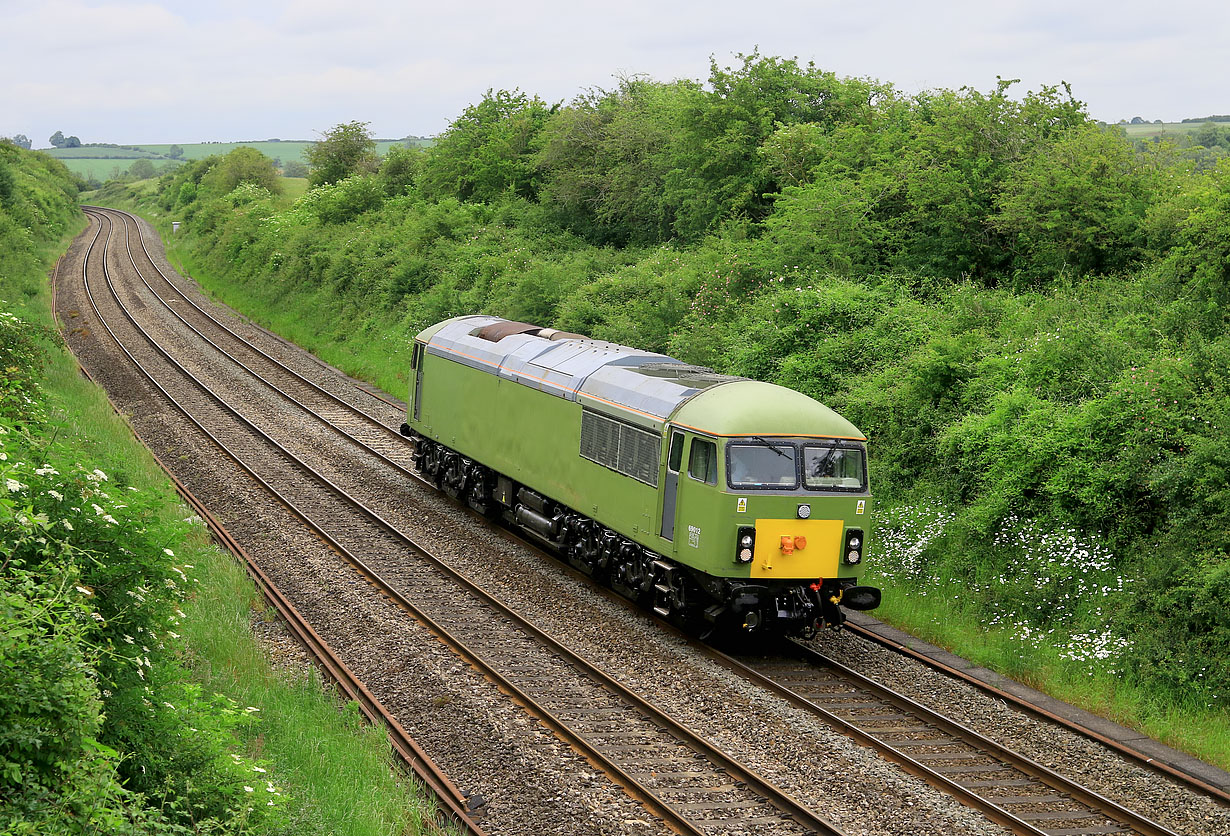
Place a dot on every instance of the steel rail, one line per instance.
(774, 795)
(407, 749)
(229, 331)
(1129, 752)
(256, 375)
(1048, 777)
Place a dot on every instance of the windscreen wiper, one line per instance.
(770, 446)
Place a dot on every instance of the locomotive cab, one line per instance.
(776, 510)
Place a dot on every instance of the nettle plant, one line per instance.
(91, 565)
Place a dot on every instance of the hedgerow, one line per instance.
(101, 728)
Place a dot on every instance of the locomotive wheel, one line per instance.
(479, 495)
(453, 476)
(631, 576)
(585, 552)
(430, 466)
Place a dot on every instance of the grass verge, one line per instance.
(336, 770)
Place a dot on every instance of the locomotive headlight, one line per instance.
(854, 546)
(804, 511)
(745, 544)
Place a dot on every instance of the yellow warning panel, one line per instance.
(806, 549)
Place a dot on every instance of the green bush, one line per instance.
(99, 714)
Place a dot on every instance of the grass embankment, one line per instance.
(143, 703)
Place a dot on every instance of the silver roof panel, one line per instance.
(636, 386)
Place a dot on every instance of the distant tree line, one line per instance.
(59, 140)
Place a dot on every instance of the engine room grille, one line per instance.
(622, 447)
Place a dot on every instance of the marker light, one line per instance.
(804, 511)
(854, 545)
(745, 543)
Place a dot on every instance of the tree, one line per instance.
(347, 149)
(8, 184)
(175, 152)
(141, 170)
(399, 169)
(243, 165)
(72, 142)
(604, 160)
(57, 139)
(294, 168)
(20, 140)
(1078, 201)
(489, 150)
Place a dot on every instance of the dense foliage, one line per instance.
(101, 728)
(1025, 313)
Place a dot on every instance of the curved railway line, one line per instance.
(669, 768)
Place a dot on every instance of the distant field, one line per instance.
(294, 187)
(284, 150)
(103, 162)
(1172, 128)
(104, 152)
(105, 168)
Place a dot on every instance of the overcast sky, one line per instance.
(196, 70)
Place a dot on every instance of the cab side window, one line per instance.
(702, 464)
(675, 461)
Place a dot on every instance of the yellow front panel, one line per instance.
(817, 559)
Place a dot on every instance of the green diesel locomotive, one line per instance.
(715, 500)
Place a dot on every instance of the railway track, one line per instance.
(1014, 791)
(691, 785)
(633, 743)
